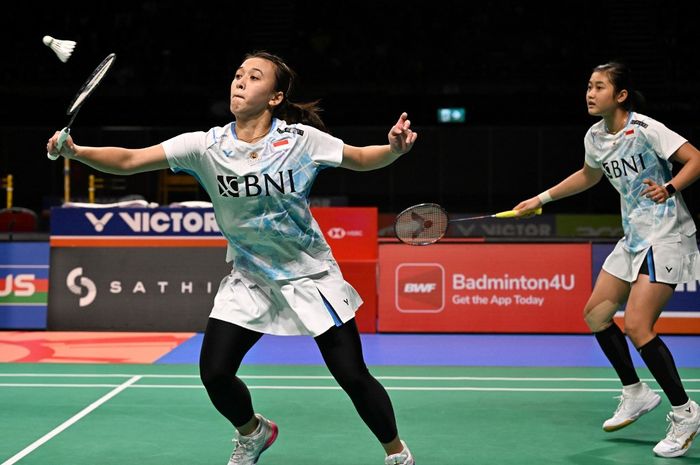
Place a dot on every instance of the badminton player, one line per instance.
(258, 172)
(658, 250)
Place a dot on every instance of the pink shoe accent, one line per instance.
(273, 436)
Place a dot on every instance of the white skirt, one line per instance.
(674, 261)
(289, 307)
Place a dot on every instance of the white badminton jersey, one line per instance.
(641, 150)
(260, 193)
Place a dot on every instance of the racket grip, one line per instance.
(514, 213)
(61, 139)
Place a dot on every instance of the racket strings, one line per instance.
(91, 83)
(422, 224)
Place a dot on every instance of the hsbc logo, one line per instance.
(340, 233)
(420, 288)
(336, 233)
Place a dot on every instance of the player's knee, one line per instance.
(638, 330)
(593, 320)
(355, 381)
(212, 376)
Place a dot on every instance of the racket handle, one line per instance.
(61, 139)
(514, 213)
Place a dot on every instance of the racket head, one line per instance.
(91, 83)
(421, 224)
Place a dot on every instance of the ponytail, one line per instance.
(304, 113)
(637, 102)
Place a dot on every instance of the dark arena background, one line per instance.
(106, 281)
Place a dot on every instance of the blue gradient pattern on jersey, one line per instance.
(260, 194)
(641, 216)
(636, 153)
(276, 235)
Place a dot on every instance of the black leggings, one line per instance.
(225, 344)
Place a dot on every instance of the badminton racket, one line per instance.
(427, 223)
(88, 88)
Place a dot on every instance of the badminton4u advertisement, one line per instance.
(538, 288)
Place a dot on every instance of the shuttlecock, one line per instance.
(62, 48)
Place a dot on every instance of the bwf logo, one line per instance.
(420, 288)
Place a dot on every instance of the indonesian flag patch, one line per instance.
(280, 143)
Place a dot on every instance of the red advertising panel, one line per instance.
(350, 231)
(506, 288)
(352, 234)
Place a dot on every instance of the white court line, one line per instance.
(36, 444)
(292, 377)
(327, 388)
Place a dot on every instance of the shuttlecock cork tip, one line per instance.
(47, 40)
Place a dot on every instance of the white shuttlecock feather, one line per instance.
(62, 48)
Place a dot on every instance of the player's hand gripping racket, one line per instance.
(427, 223)
(84, 92)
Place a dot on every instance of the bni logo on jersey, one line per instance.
(420, 287)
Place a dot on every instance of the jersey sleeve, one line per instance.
(590, 158)
(183, 151)
(323, 148)
(664, 141)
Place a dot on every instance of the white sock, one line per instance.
(686, 410)
(633, 389)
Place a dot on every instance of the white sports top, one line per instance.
(641, 150)
(260, 193)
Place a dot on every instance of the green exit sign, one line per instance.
(451, 115)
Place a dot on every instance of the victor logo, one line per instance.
(99, 223)
(76, 282)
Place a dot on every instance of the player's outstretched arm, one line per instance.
(113, 160)
(371, 157)
(581, 180)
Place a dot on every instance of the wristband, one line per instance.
(545, 197)
(670, 189)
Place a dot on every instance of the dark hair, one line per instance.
(620, 77)
(291, 112)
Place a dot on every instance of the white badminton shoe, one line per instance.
(680, 434)
(402, 458)
(249, 448)
(631, 407)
